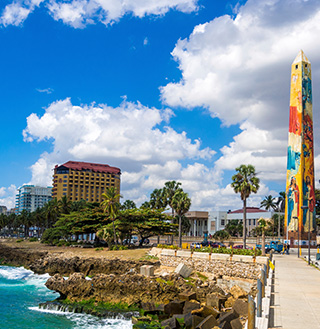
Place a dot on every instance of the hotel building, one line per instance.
(83, 180)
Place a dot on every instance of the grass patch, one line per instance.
(98, 249)
(149, 257)
(20, 240)
(202, 277)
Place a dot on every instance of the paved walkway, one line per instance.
(296, 294)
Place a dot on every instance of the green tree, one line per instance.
(128, 204)
(64, 205)
(234, 227)
(269, 202)
(221, 235)
(51, 212)
(281, 202)
(245, 182)
(181, 204)
(111, 206)
(169, 190)
(158, 200)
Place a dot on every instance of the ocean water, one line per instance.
(20, 293)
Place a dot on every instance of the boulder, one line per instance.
(187, 296)
(207, 323)
(171, 323)
(241, 307)
(236, 324)
(147, 270)
(227, 317)
(238, 292)
(174, 307)
(190, 306)
(191, 321)
(215, 300)
(205, 311)
(229, 302)
(183, 270)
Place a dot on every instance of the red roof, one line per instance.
(249, 210)
(96, 167)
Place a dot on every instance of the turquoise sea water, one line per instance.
(20, 293)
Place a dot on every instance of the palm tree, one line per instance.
(65, 205)
(263, 226)
(268, 203)
(51, 211)
(111, 206)
(170, 188)
(281, 202)
(158, 201)
(181, 204)
(245, 182)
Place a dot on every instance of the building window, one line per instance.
(222, 222)
(64, 184)
(64, 189)
(249, 221)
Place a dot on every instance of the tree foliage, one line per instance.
(245, 182)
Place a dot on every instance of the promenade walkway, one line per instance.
(296, 294)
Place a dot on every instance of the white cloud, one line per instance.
(8, 196)
(128, 137)
(79, 13)
(17, 12)
(239, 69)
(46, 90)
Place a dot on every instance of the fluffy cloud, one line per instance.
(79, 13)
(128, 136)
(8, 196)
(239, 69)
(16, 12)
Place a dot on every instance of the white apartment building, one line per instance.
(30, 197)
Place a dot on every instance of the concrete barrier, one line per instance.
(168, 252)
(183, 253)
(201, 255)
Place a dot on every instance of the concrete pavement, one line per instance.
(296, 294)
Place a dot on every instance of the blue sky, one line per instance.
(180, 89)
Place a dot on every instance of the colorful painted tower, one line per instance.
(300, 201)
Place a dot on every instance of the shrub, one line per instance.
(20, 240)
(34, 239)
(164, 246)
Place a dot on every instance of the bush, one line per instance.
(164, 246)
(34, 239)
(20, 240)
(52, 236)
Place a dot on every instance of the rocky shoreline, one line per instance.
(102, 280)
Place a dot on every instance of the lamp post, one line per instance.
(295, 217)
(305, 208)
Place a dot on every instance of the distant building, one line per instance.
(198, 221)
(83, 180)
(3, 210)
(30, 197)
(253, 214)
(217, 221)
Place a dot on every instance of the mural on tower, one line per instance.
(300, 165)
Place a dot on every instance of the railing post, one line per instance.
(251, 313)
(263, 278)
(259, 298)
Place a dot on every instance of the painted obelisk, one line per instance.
(300, 196)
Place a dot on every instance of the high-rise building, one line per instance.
(300, 201)
(83, 180)
(30, 197)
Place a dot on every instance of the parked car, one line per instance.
(133, 240)
(195, 245)
(272, 245)
(144, 241)
(240, 246)
(217, 245)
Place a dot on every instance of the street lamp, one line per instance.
(295, 217)
(305, 208)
